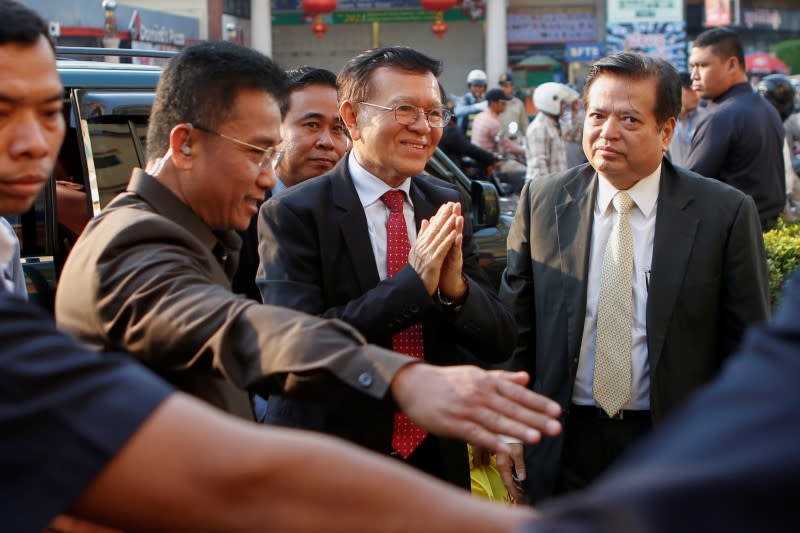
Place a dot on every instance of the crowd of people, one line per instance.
(283, 258)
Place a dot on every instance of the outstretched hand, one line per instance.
(475, 405)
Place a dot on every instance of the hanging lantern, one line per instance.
(439, 27)
(317, 8)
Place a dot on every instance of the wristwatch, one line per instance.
(452, 304)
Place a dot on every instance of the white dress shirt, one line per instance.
(370, 188)
(643, 224)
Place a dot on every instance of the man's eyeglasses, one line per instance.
(267, 154)
(407, 114)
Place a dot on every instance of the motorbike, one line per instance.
(511, 168)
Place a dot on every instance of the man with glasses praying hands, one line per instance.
(385, 248)
(151, 274)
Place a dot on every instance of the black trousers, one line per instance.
(427, 457)
(593, 441)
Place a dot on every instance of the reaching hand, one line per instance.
(507, 465)
(475, 405)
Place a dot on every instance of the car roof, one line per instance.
(103, 75)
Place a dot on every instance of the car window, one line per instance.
(113, 133)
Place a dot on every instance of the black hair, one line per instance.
(724, 43)
(305, 76)
(19, 24)
(200, 86)
(354, 78)
(642, 67)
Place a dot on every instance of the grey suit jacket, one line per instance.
(148, 277)
(708, 283)
(316, 256)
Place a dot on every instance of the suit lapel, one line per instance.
(353, 226)
(574, 219)
(423, 206)
(672, 244)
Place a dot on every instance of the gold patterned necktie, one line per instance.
(611, 387)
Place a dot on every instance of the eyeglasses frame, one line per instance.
(269, 154)
(446, 115)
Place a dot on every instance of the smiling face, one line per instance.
(390, 150)
(225, 183)
(314, 137)
(31, 122)
(621, 138)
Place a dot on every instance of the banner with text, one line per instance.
(644, 11)
(666, 40)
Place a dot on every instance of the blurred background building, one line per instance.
(538, 40)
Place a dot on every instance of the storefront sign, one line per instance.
(583, 53)
(718, 12)
(550, 26)
(666, 40)
(644, 10)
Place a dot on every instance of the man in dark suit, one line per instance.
(631, 280)
(329, 247)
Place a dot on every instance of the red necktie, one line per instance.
(406, 435)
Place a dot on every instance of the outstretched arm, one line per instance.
(215, 473)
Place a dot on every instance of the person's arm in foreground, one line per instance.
(728, 461)
(190, 468)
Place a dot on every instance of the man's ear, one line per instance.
(349, 115)
(180, 142)
(733, 65)
(667, 131)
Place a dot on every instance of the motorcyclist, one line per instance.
(558, 120)
(473, 101)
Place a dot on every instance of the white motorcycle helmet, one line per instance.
(477, 77)
(548, 97)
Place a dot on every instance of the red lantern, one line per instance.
(439, 27)
(317, 8)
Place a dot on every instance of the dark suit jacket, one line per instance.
(708, 282)
(727, 462)
(316, 257)
(148, 277)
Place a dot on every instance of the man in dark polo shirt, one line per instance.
(740, 140)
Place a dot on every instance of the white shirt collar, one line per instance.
(369, 187)
(644, 193)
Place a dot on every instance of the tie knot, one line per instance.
(393, 200)
(622, 203)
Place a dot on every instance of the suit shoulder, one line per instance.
(432, 183)
(710, 188)
(306, 192)
(553, 184)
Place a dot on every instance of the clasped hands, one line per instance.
(436, 255)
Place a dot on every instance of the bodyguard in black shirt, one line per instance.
(740, 140)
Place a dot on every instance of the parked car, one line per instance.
(106, 106)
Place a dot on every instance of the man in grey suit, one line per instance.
(631, 280)
(151, 274)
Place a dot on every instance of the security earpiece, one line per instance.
(185, 150)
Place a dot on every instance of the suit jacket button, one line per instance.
(414, 308)
(365, 379)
